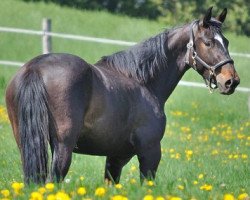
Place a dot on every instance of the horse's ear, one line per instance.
(222, 16)
(207, 17)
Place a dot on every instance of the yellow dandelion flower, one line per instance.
(119, 197)
(177, 156)
(213, 129)
(189, 137)
(171, 150)
(5, 193)
(17, 187)
(159, 198)
(148, 197)
(243, 196)
(36, 196)
(100, 191)
(206, 187)
(240, 136)
(195, 182)
(228, 197)
(185, 129)
(132, 181)
(133, 168)
(118, 186)
(51, 197)
(61, 195)
(180, 187)
(3, 115)
(81, 191)
(150, 183)
(50, 186)
(200, 176)
(172, 156)
(189, 152)
(215, 152)
(42, 190)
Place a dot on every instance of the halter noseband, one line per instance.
(196, 58)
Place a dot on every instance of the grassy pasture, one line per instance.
(205, 150)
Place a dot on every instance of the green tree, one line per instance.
(172, 12)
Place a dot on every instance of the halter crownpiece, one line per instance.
(196, 58)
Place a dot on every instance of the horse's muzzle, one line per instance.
(228, 87)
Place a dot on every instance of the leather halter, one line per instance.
(196, 58)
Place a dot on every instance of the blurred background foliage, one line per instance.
(172, 12)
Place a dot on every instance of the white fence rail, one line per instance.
(46, 43)
(84, 38)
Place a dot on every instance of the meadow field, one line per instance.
(206, 146)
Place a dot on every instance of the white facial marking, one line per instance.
(219, 38)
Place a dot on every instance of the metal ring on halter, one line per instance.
(194, 55)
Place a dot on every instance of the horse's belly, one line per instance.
(104, 144)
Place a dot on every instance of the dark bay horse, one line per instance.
(114, 108)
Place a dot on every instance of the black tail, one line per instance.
(33, 116)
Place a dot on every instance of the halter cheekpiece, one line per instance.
(196, 58)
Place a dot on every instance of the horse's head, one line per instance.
(208, 53)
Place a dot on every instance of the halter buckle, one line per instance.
(190, 45)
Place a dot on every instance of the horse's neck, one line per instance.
(169, 77)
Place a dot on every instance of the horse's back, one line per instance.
(52, 65)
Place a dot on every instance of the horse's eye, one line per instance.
(208, 43)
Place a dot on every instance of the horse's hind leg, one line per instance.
(113, 168)
(61, 161)
(62, 147)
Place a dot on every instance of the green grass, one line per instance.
(216, 128)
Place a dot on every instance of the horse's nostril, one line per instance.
(232, 83)
(228, 83)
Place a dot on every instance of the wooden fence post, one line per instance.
(46, 39)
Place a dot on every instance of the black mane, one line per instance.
(141, 61)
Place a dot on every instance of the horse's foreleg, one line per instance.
(149, 159)
(113, 168)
